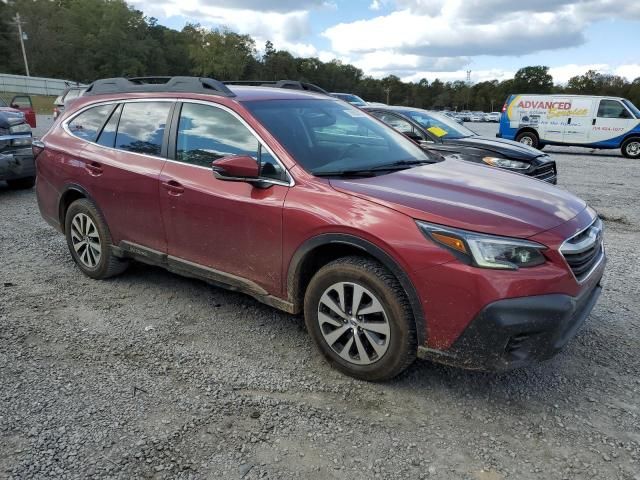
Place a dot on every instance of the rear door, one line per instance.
(24, 104)
(612, 120)
(121, 167)
(233, 229)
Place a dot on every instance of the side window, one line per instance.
(21, 101)
(88, 123)
(612, 109)
(108, 135)
(400, 125)
(206, 133)
(141, 127)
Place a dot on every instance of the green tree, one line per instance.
(533, 80)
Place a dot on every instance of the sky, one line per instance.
(430, 39)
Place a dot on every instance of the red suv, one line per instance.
(311, 205)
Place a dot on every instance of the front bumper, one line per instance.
(17, 163)
(515, 332)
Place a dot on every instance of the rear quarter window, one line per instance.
(88, 123)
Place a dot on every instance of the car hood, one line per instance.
(469, 196)
(505, 148)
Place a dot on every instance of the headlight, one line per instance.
(22, 128)
(505, 163)
(485, 251)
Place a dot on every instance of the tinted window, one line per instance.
(207, 133)
(325, 135)
(141, 127)
(400, 124)
(612, 109)
(108, 135)
(88, 123)
(439, 125)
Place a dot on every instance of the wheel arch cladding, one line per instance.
(319, 250)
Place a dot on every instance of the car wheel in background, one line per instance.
(22, 183)
(89, 241)
(360, 319)
(528, 138)
(631, 147)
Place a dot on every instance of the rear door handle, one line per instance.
(94, 169)
(173, 187)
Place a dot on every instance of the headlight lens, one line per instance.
(505, 163)
(22, 128)
(485, 251)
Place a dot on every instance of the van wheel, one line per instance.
(528, 138)
(360, 319)
(22, 183)
(89, 241)
(631, 147)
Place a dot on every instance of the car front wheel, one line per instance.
(631, 148)
(528, 138)
(360, 319)
(89, 241)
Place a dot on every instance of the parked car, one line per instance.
(454, 117)
(69, 94)
(477, 116)
(311, 205)
(465, 115)
(436, 132)
(23, 104)
(16, 157)
(580, 120)
(350, 98)
(493, 117)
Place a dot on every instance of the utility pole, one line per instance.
(18, 22)
(468, 87)
(387, 91)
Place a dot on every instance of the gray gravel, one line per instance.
(150, 375)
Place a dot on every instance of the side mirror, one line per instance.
(237, 168)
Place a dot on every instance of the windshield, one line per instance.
(632, 107)
(352, 99)
(329, 136)
(439, 125)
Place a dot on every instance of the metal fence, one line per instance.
(33, 85)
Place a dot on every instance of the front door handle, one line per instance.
(593, 122)
(173, 188)
(94, 169)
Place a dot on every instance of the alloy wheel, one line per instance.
(633, 149)
(527, 141)
(354, 323)
(86, 240)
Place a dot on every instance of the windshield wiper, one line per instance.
(370, 172)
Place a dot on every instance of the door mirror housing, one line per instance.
(236, 168)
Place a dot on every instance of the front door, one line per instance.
(229, 227)
(612, 120)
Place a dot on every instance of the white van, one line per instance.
(580, 120)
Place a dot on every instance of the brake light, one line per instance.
(504, 108)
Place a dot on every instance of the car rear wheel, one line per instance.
(528, 138)
(89, 241)
(22, 183)
(631, 148)
(360, 319)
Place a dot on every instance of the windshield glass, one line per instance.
(352, 99)
(439, 125)
(632, 107)
(329, 136)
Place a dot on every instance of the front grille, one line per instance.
(546, 172)
(584, 250)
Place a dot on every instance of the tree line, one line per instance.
(82, 40)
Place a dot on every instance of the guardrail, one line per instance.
(33, 85)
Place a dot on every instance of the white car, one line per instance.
(477, 116)
(493, 117)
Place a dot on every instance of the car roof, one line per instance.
(250, 93)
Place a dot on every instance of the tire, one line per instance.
(391, 318)
(22, 183)
(631, 147)
(528, 138)
(89, 241)
(541, 146)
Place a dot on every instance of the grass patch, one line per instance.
(42, 104)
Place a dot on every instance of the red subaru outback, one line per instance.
(311, 205)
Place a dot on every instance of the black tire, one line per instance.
(106, 263)
(528, 138)
(541, 146)
(22, 183)
(631, 147)
(401, 341)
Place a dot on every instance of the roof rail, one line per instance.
(159, 84)
(290, 84)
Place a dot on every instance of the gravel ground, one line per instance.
(150, 375)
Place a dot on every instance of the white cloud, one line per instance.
(375, 5)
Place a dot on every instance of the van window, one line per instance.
(88, 123)
(141, 127)
(612, 109)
